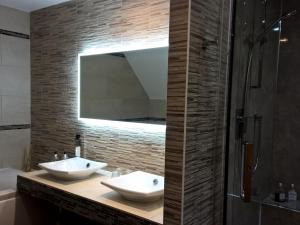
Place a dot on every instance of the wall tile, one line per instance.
(194, 154)
(14, 51)
(176, 102)
(14, 87)
(58, 35)
(14, 20)
(15, 110)
(12, 146)
(277, 216)
(1, 109)
(15, 81)
(197, 91)
(286, 154)
(241, 213)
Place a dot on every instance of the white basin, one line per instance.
(137, 186)
(73, 168)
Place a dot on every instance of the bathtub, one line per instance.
(8, 196)
(17, 209)
(8, 178)
(8, 183)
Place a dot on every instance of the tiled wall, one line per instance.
(14, 87)
(58, 35)
(198, 65)
(286, 140)
(260, 103)
(196, 94)
(277, 102)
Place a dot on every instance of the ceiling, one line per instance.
(30, 5)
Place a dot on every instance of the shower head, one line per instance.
(287, 15)
(269, 28)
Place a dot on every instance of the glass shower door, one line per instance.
(254, 83)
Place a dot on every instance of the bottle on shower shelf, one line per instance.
(292, 194)
(280, 194)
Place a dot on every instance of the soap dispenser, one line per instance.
(77, 146)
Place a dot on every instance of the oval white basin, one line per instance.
(73, 168)
(138, 186)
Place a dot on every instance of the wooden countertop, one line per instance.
(91, 189)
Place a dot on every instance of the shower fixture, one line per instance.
(270, 27)
(247, 149)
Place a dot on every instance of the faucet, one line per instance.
(55, 157)
(65, 156)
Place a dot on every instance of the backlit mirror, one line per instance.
(124, 86)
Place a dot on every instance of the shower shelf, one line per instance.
(292, 206)
(269, 201)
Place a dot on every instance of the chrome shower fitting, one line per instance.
(242, 115)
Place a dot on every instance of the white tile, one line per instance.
(15, 162)
(13, 144)
(14, 80)
(14, 51)
(15, 110)
(14, 20)
(0, 110)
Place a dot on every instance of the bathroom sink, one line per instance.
(73, 168)
(137, 186)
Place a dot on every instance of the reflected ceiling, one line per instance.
(30, 5)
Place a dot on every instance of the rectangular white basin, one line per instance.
(138, 186)
(73, 168)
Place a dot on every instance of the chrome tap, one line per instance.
(55, 156)
(65, 156)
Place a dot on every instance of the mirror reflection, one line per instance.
(125, 86)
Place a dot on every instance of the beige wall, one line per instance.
(58, 35)
(196, 94)
(196, 125)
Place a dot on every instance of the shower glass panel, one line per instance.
(265, 36)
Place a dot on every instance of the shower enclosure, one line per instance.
(264, 125)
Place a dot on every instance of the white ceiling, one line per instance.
(30, 5)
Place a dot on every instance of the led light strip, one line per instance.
(142, 127)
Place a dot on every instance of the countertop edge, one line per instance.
(83, 206)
